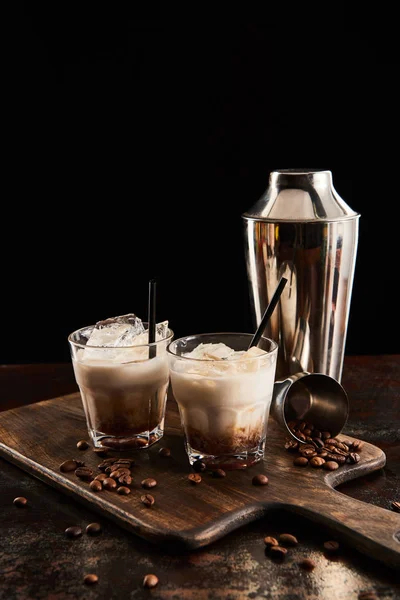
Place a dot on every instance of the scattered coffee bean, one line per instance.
(219, 473)
(396, 506)
(199, 466)
(148, 483)
(194, 478)
(331, 547)
(292, 446)
(325, 435)
(122, 469)
(259, 479)
(330, 465)
(96, 485)
(90, 579)
(147, 500)
(307, 564)
(125, 462)
(164, 452)
(84, 473)
(20, 501)
(82, 445)
(339, 459)
(308, 453)
(278, 552)
(101, 477)
(101, 451)
(300, 461)
(319, 443)
(322, 453)
(150, 581)
(288, 539)
(353, 458)
(307, 431)
(270, 541)
(331, 442)
(94, 529)
(125, 480)
(109, 484)
(356, 446)
(123, 491)
(73, 532)
(68, 465)
(114, 474)
(300, 436)
(317, 461)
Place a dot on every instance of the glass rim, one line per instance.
(168, 338)
(222, 333)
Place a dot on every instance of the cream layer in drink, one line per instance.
(224, 396)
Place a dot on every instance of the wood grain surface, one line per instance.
(39, 437)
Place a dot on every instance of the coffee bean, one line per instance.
(20, 501)
(194, 478)
(340, 459)
(122, 470)
(288, 539)
(292, 446)
(94, 529)
(356, 446)
(330, 465)
(219, 473)
(353, 458)
(325, 435)
(73, 532)
(308, 453)
(322, 453)
(270, 541)
(396, 506)
(319, 443)
(148, 483)
(278, 552)
(109, 469)
(300, 436)
(316, 434)
(164, 452)
(103, 466)
(90, 579)
(125, 462)
(331, 547)
(82, 445)
(150, 581)
(307, 432)
(96, 485)
(317, 461)
(309, 440)
(199, 466)
(109, 484)
(147, 500)
(292, 425)
(123, 491)
(101, 451)
(84, 473)
(101, 477)
(259, 479)
(125, 480)
(68, 465)
(302, 425)
(300, 461)
(307, 564)
(310, 426)
(342, 446)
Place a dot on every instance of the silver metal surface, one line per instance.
(312, 397)
(301, 229)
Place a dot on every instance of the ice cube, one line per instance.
(116, 332)
(161, 334)
(210, 352)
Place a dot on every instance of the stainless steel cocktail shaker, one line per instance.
(301, 229)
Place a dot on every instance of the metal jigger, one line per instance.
(312, 397)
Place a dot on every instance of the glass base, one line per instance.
(227, 462)
(137, 441)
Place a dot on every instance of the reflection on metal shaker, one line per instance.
(302, 230)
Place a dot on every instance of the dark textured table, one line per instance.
(38, 561)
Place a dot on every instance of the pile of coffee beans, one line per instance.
(319, 449)
(278, 548)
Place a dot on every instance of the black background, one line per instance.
(137, 143)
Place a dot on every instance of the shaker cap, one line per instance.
(300, 195)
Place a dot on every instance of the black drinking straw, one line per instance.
(268, 312)
(152, 317)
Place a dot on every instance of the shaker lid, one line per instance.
(300, 195)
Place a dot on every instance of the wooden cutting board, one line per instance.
(39, 437)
